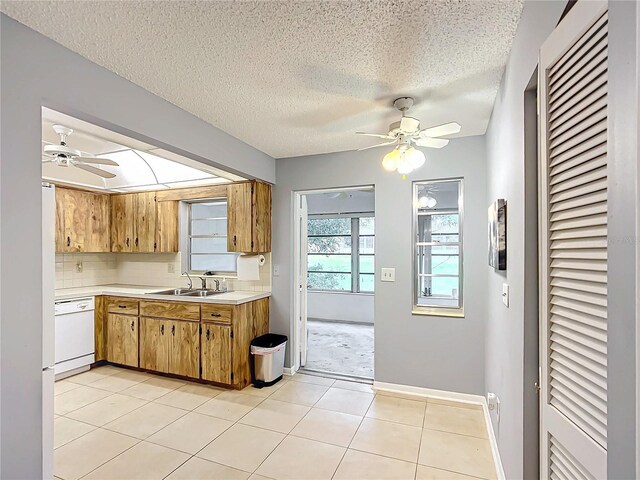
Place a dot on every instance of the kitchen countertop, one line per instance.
(144, 292)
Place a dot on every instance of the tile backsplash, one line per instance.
(85, 269)
(153, 269)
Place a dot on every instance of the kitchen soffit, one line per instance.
(141, 166)
(295, 77)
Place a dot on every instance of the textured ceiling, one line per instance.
(296, 77)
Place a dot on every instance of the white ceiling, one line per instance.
(140, 166)
(296, 77)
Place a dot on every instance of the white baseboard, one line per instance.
(409, 390)
(288, 371)
(428, 392)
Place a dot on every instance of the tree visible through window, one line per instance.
(340, 253)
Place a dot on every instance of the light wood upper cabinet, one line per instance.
(167, 226)
(141, 224)
(249, 217)
(82, 221)
(122, 335)
(145, 222)
(122, 223)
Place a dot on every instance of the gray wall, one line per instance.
(622, 223)
(505, 333)
(35, 72)
(426, 351)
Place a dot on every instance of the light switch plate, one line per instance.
(505, 294)
(276, 270)
(388, 275)
(171, 267)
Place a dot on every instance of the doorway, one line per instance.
(334, 258)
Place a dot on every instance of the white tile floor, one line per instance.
(117, 424)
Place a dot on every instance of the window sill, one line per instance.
(438, 312)
(340, 292)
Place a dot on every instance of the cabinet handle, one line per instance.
(162, 329)
(133, 324)
(69, 241)
(216, 315)
(173, 330)
(234, 240)
(136, 241)
(122, 306)
(127, 242)
(208, 334)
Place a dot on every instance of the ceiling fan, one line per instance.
(405, 134)
(64, 156)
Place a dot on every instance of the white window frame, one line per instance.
(186, 236)
(437, 310)
(355, 251)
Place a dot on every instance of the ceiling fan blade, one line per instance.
(409, 124)
(98, 161)
(441, 130)
(378, 145)
(94, 170)
(432, 142)
(378, 135)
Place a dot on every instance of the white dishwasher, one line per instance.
(74, 333)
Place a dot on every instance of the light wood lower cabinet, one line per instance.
(170, 346)
(154, 344)
(122, 335)
(184, 349)
(216, 352)
(206, 341)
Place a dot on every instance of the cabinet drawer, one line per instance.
(123, 306)
(177, 310)
(217, 313)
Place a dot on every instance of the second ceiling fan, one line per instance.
(63, 155)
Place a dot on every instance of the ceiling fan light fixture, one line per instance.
(390, 160)
(404, 165)
(415, 158)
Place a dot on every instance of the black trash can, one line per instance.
(268, 359)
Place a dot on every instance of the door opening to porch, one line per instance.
(337, 251)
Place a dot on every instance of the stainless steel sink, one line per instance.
(202, 293)
(175, 291)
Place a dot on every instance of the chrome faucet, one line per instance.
(190, 281)
(217, 282)
(204, 282)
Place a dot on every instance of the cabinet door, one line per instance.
(71, 220)
(216, 353)
(239, 217)
(97, 235)
(145, 222)
(122, 222)
(167, 226)
(122, 339)
(184, 350)
(154, 344)
(261, 206)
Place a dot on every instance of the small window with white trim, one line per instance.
(207, 238)
(437, 207)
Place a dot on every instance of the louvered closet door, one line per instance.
(573, 245)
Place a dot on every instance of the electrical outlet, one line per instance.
(79, 267)
(276, 270)
(505, 294)
(171, 267)
(388, 275)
